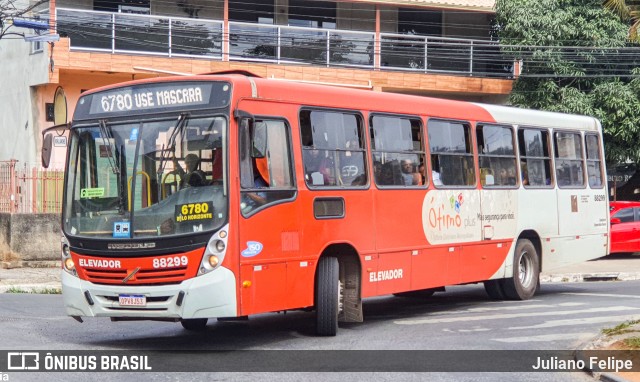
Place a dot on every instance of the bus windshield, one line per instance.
(146, 178)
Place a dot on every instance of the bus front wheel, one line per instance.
(526, 272)
(327, 296)
(194, 324)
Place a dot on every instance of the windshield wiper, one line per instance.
(171, 143)
(105, 134)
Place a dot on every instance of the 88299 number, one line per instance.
(171, 262)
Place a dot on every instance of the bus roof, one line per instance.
(348, 98)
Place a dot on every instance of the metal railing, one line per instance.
(177, 36)
(29, 189)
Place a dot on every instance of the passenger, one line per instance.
(409, 176)
(318, 168)
(193, 177)
(253, 200)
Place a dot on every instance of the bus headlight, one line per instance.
(215, 251)
(67, 262)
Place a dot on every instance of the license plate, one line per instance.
(132, 300)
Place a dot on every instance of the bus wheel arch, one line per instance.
(342, 259)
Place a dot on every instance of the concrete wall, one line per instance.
(22, 71)
(29, 239)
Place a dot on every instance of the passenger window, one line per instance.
(266, 171)
(594, 161)
(497, 156)
(333, 149)
(569, 163)
(451, 154)
(397, 149)
(535, 157)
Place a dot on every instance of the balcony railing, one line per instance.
(186, 37)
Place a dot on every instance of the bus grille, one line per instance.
(142, 277)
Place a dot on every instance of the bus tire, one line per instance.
(194, 324)
(526, 272)
(494, 289)
(327, 296)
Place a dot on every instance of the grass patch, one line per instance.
(633, 342)
(14, 289)
(620, 329)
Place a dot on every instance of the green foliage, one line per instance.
(576, 60)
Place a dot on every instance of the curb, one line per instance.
(581, 277)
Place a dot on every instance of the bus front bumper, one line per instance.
(207, 296)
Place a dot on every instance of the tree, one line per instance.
(577, 59)
(15, 9)
(628, 11)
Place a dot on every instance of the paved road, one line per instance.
(563, 316)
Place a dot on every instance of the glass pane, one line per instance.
(351, 48)
(253, 41)
(448, 55)
(129, 28)
(402, 52)
(395, 169)
(453, 170)
(568, 146)
(569, 173)
(302, 45)
(329, 130)
(196, 37)
(497, 171)
(319, 167)
(595, 174)
(391, 134)
(533, 143)
(497, 140)
(593, 148)
(448, 137)
(85, 29)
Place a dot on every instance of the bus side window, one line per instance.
(594, 161)
(267, 177)
(497, 156)
(535, 157)
(569, 160)
(451, 152)
(397, 150)
(333, 150)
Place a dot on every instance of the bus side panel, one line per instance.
(583, 221)
(399, 234)
(267, 241)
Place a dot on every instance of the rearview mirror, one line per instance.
(615, 221)
(259, 140)
(47, 145)
(47, 142)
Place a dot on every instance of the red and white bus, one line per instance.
(228, 195)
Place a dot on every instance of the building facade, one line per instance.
(426, 47)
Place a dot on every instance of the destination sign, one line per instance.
(154, 98)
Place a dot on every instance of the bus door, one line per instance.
(582, 199)
(499, 183)
(269, 237)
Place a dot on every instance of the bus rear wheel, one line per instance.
(194, 324)
(526, 272)
(327, 296)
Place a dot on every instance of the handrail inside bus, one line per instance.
(148, 187)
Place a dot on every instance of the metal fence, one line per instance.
(29, 189)
(185, 37)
